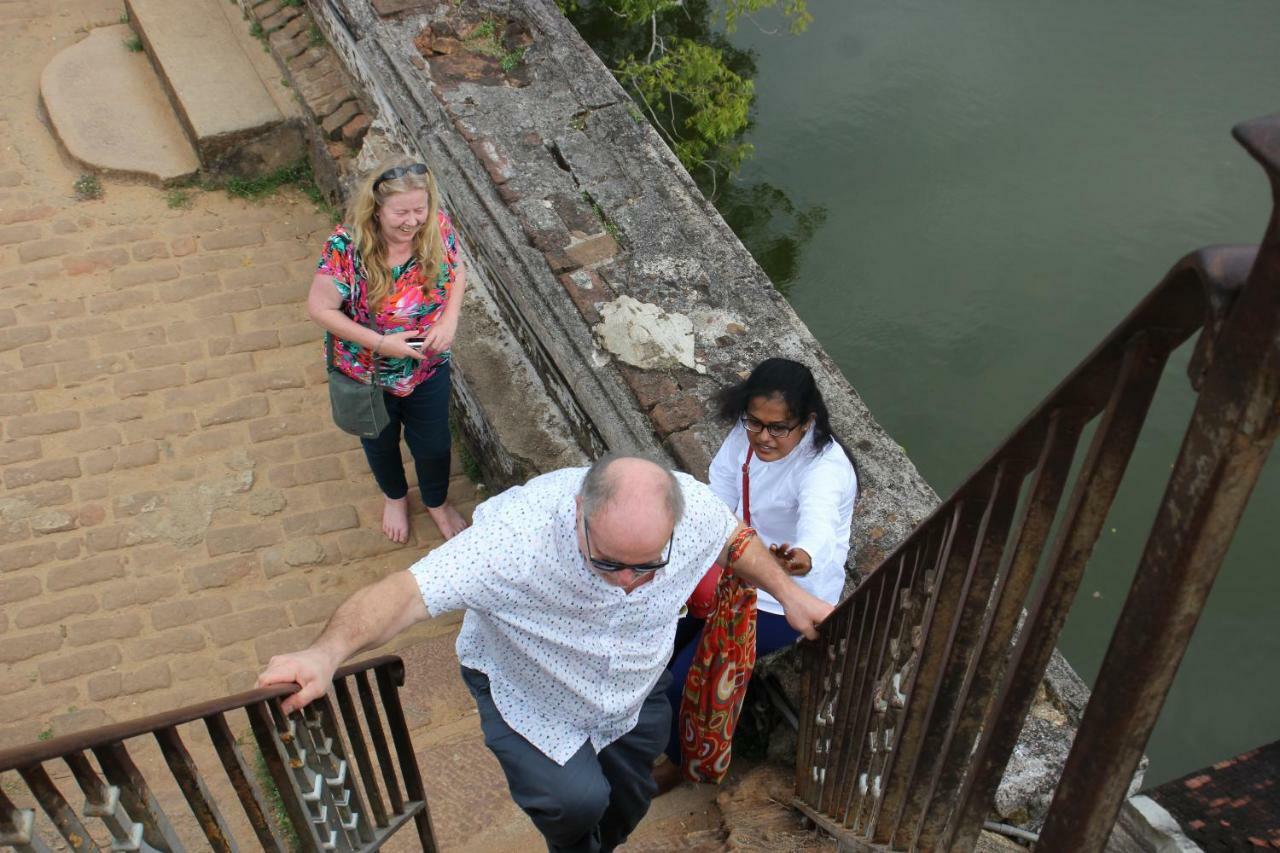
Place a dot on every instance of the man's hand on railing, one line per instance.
(311, 669)
(804, 611)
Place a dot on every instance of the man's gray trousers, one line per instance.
(591, 804)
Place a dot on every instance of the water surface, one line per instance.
(1002, 183)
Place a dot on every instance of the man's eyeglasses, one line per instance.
(750, 424)
(399, 172)
(602, 565)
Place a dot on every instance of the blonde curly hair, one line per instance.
(362, 222)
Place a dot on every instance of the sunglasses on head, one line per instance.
(602, 565)
(399, 172)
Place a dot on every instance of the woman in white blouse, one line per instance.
(801, 487)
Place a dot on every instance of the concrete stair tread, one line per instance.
(212, 79)
(109, 110)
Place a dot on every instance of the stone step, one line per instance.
(213, 71)
(108, 108)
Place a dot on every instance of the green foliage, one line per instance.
(315, 36)
(696, 89)
(297, 175)
(795, 11)
(673, 58)
(46, 734)
(511, 59)
(640, 11)
(256, 30)
(291, 2)
(87, 187)
(133, 44)
(699, 102)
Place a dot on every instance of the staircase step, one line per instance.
(264, 64)
(109, 110)
(213, 76)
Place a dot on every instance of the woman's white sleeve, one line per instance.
(825, 508)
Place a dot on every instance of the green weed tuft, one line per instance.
(178, 198)
(297, 175)
(133, 44)
(511, 59)
(87, 187)
(275, 803)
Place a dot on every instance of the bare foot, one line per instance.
(395, 519)
(668, 776)
(447, 519)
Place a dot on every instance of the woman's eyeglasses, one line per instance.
(608, 566)
(399, 172)
(750, 424)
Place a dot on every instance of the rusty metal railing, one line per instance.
(919, 685)
(327, 803)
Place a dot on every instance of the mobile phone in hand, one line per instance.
(416, 343)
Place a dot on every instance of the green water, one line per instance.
(1002, 183)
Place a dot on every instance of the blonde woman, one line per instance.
(388, 291)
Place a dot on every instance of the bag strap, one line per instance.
(746, 487)
(328, 336)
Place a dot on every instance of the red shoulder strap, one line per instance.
(746, 487)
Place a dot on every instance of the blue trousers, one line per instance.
(772, 633)
(591, 804)
(423, 417)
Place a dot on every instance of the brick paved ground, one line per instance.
(176, 504)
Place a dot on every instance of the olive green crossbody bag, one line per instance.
(358, 407)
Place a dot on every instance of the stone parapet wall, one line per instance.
(627, 292)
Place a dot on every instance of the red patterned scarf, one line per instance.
(717, 683)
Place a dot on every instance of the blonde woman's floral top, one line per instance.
(409, 306)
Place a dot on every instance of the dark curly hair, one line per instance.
(791, 381)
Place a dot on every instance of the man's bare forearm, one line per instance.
(372, 616)
(758, 567)
(761, 569)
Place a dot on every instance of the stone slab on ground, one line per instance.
(108, 107)
(211, 79)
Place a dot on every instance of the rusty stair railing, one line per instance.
(918, 687)
(329, 803)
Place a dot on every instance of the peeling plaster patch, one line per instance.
(643, 335)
